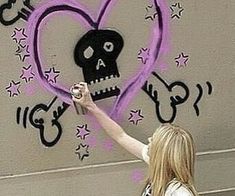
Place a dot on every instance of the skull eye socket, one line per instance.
(108, 46)
(88, 53)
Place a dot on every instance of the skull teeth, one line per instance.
(102, 79)
(106, 90)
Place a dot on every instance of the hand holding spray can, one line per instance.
(76, 92)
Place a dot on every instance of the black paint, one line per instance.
(25, 116)
(96, 53)
(209, 87)
(198, 98)
(38, 122)
(18, 115)
(82, 151)
(24, 14)
(174, 100)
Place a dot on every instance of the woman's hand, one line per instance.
(81, 95)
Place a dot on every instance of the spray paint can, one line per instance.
(76, 92)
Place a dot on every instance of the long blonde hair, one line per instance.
(172, 156)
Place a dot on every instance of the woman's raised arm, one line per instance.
(113, 129)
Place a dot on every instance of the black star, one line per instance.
(22, 52)
(176, 10)
(151, 12)
(82, 151)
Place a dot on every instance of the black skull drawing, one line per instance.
(96, 53)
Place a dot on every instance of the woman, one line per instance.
(170, 153)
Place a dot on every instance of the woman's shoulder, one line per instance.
(176, 188)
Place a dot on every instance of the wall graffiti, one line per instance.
(176, 10)
(95, 54)
(82, 150)
(134, 85)
(200, 93)
(51, 75)
(151, 12)
(13, 88)
(33, 116)
(181, 60)
(19, 36)
(135, 116)
(27, 74)
(174, 99)
(17, 9)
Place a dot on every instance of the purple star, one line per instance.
(27, 74)
(13, 88)
(143, 55)
(22, 52)
(181, 60)
(137, 176)
(176, 10)
(51, 75)
(82, 151)
(135, 116)
(150, 12)
(108, 144)
(19, 35)
(82, 131)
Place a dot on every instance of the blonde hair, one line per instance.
(172, 156)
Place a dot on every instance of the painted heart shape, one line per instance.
(157, 45)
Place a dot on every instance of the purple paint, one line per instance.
(108, 144)
(91, 141)
(143, 55)
(135, 116)
(82, 132)
(163, 67)
(13, 88)
(30, 89)
(181, 60)
(19, 35)
(137, 176)
(27, 74)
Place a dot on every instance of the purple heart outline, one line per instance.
(157, 44)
